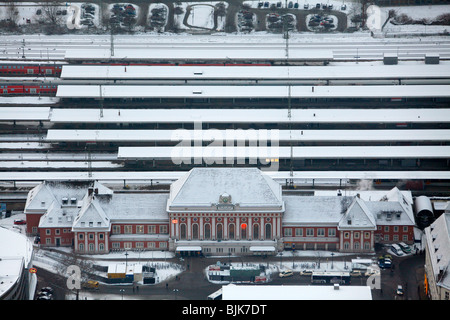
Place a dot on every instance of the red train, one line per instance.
(17, 89)
(24, 70)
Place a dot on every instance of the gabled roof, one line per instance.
(247, 187)
(357, 216)
(91, 216)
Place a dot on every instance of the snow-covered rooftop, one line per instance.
(259, 73)
(295, 292)
(414, 115)
(238, 135)
(261, 92)
(203, 187)
(180, 154)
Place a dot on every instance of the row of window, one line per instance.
(140, 229)
(309, 232)
(124, 245)
(244, 233)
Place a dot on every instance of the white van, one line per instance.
(395, 248)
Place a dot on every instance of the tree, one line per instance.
(12, 16)
(52, 17)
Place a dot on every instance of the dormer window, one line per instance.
(65, 201)
(73, 201)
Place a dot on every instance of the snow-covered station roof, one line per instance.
(250, 115)
(255, 72)
(179, 153)
(241, 135)
(261, 92)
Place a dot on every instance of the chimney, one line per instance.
(358, 195)
(90, 191)
(96, 191)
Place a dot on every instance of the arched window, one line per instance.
(268, 231)
(243, 231)
(366, 245)
(356, 245)
(256, 231)
(101, 247)
(81, 247)
(219, 234)
(195, 231)
(207, 235)
(346, 245)
(91, 247)
(231, 231)
(183, 231)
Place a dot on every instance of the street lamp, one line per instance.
(122, 291)
(332, 255)
(175, 291)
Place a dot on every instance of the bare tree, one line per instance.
(52, 17)
(12, 16)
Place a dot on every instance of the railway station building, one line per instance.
(215, 211)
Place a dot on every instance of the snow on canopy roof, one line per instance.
(202, 91)
(180, 154)
(205, 54)
(295, 292)
(239, 135)
(25, 113)
(252, 72)
(250, 115)
(204, 186)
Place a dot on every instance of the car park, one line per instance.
(286, 273)
(405, 248)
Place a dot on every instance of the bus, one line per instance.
(330, 277)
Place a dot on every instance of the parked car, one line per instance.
(385, 263)
(399, 290)
(306, 272)
(286, 273)
(405, 248)
(20, 221)
(356, 273)
(395, 248)
(306, 6)
(343, 7)
(371, 271)
(91, 284)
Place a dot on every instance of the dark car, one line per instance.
(20, 221)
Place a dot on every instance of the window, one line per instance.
(81, 247)
(356, 235)
(195, 231)
(386, 237)
(332, 232)
(57, 232)
(48, 232)
(139, 245)
(116, 245)
(80, 236)
(299, 232)
(116, 229)
(287, 232)
(386, 229)
(207, 234)
(101, 236)
(101, 247)
(268, 231)
(231, 231)
(163, 245)
(48, 240)
(128, 229)
(151, 245)
(139, 229)
(152, 229)
(321, 232)
(256, 231)
(405, 229)
(219, 234)
(395, 237)
(367, 235)
(356, 245)
(183, 231)
(310, 232)
(366, 245)
(163, 229)
(395, 228)
(127, 245)
(346, 235)
(405, 238)
(91, 236)
(91, 247)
